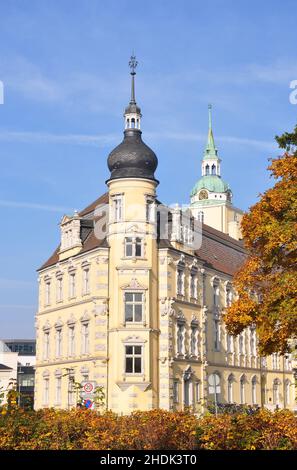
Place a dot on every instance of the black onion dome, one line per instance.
(132, 158)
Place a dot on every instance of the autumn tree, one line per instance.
(267, 282)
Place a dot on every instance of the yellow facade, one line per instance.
(142, 315)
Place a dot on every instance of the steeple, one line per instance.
(132, 112)
(210, 161)
(210, 149)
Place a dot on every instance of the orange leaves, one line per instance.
(270, 271)
(148, 430)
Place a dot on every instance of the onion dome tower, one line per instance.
(132, 158)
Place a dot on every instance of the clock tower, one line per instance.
(211, 197)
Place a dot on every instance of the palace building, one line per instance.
(129, 300)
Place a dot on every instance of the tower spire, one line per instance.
(132, 112)
(133, 64)
(210, 150)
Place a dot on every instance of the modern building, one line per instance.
(135, 294)
(17, 369)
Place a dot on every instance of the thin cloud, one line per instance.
(30, 205)
(45, 137)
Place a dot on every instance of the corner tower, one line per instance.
(133, 260)
(211, 197)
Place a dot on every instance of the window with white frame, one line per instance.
(133, 359)
(275, 361)
(241, 343)
(71, 340)
(71, 390)
(230, 388)
(72, 285)
(276, 384)
(216, 334)
(193, 284)
(58, 342)
(288, 362)
(287, 392)
(133, 307)
(58, 389)
(228, 295)
(242, 390)
(133, 247)
(150, 209)
(46, 344)
(175, 391)
(253, 341)
(180, 280)
(194, 340)
(254, 390)
(180, 338)
(216, 293)
(47, 292)
(59, 289)
(45, 391)
(86, 281)
(117, 208)
(85, 333)
(230, 343)
(198, 391)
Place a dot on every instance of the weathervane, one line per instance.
(133, 64)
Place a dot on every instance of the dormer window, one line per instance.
(70, 232)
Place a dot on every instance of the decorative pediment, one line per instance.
(47, 326)
(134, 284)
(46, 374)
(59, 323)
(194, 320)
(134, 228)
(141, 385)
(58, 372)
(188, 373)
(72, 320)
(133, 339)
(85, 317)
(180, 317)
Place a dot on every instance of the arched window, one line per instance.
(213, 169)
(254, 390)
(207, 170)
(230, 388)
(242, 389)
(132, 123)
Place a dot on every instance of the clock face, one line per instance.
(203, 194)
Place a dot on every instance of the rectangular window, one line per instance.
(197, 392)
(118, 208)
(180, 282)
(230, 343)
(194, 333)
(193, 292)
(58, 390)
(72, 285)
(59, 289)
(133, 247)
(46, 391)
(216, 335)
(241, 347)
(86, 281)
(71, 391)
(47, 293)
(58, 343)
(85, 338)
(150, 210)
(133, 307)
(228, 297)
(46, 345)
(175, 391)
(71, 340)
(216, 296)
(133, 359)
(180, 339)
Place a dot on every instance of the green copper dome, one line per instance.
(212, 183)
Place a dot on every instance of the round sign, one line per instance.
(214, 380)
(88, 403)
(88, 387)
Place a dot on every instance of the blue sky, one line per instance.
(66, 82)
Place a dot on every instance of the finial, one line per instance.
(209, 116)
(133, 64)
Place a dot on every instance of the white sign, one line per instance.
(214, 380)
(211, 390)
(88, 388)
